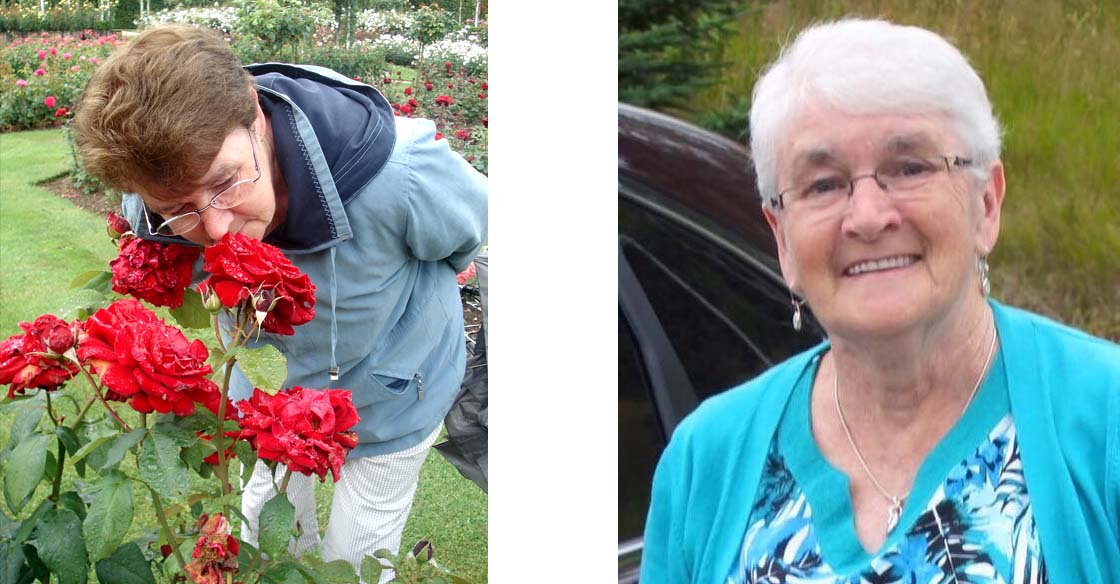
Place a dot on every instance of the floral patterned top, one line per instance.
(975, 525)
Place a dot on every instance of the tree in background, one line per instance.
(664, 48)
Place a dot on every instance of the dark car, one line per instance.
(702, 306)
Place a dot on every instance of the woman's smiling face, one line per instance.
(880, 263)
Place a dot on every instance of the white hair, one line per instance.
(862, 66)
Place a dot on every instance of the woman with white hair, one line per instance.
(937, 435)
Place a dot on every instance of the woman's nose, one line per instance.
(215, 223)
(871, 211)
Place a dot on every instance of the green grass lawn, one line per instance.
(45, 241)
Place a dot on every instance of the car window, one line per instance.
(727, 317)
(639, 437)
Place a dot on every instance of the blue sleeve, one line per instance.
(663, 554)
(447, 202)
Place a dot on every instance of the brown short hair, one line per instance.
(154, 115)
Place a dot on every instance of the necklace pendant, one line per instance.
(894, 514)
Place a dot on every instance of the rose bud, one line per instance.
(210, 300)
(423, 550)
(165, 550)
(263, 303)
(116, 225)
(60, 338)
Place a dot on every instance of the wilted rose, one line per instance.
(21, 365)
(305, 429)
(215, 553)
(156, 272)
(242, 267)
(146, 361)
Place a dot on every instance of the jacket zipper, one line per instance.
(419, 387)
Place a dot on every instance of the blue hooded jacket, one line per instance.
(381, 216)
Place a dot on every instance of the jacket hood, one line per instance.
(356, 134)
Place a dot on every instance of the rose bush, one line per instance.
(127, 352)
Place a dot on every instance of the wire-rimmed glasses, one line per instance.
(897, 175)
(227, 198)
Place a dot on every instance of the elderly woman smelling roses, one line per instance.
(937, 435)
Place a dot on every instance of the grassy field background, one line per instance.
(1050, 70)
(45, 241)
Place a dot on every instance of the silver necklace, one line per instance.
(896, 501)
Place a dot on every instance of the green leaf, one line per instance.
(60, 546)
(371, 569)
(81, 304)
(126, 566)
(277, 519)
(248, 458)
(120, 447)
(110, 516)
(25, 470)
(265, 367)
(68, 437)
(28, 525)
(73, 501)
(179, 434)
(93, 280)
(161, 467)
(13, 566)
(338, 571)
(24, 424)
(192, 314)
(286, 572)
(89, 447)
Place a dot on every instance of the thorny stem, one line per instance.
(97, 391)
(56, 486)
(219, 439)
(171, 539)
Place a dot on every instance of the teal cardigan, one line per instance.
(1064, 388)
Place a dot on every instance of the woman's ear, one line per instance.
(987, 232)
(785, 256)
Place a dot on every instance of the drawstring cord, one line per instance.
(334, 320)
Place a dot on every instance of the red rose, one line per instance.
(439, 135)
(146, 361)
(406, 109)
(447, 65)
(408, 91)
(21, 368)
(444, 100)
(215, 553)
(212, 458)
(451, 86)
(482, 96)
(428, 85)
(464, 276)
(412, 102)
(49, 101)
(60, 112)
(463, 134)
(305, 429)
(486, 122)
(396, 106)
(485, 87)
(241, 266)
(388, 80)
(156, 272)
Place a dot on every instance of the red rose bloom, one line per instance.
(485, 87)
(60, 112)
(428, 85)
(156, 272)
(406, 109)
(241, 266)
(305, 429)
(486, 122)
(408, 91)
(21, 368)
(447, 64)
(463, 134)
(146, 361)
(444, 100)
(215, 554)
(439, 135)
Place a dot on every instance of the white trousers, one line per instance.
(372, 500)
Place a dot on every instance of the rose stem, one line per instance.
(97, 390)
(287, 477)
(171, 539)
(57, 484)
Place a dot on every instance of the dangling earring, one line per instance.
(985, 281)
(796, 311)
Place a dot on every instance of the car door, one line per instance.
(700, 311)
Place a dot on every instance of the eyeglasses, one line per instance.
(895, 176)
(227, 198)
